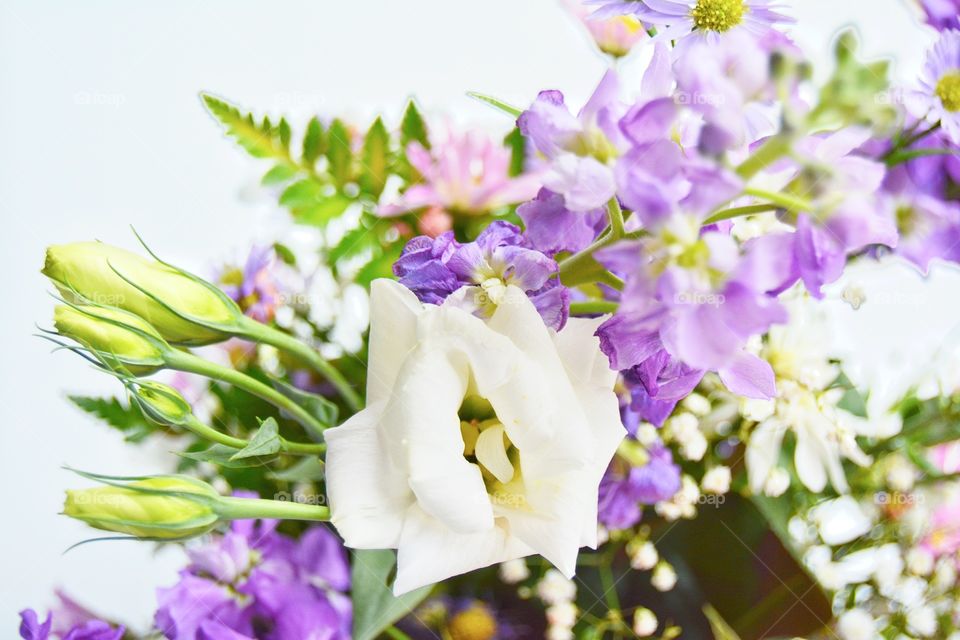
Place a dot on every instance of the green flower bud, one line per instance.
(162, 403)
(184, 310)
(114, 335)
(164, 507)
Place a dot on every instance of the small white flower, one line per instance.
(555, 588)
(840, 521)
(645, 557)
(920, 561)
(889, 571)
(562, 614)
(664, 578)
(647, 434)
(717, 480)
(757, 410)
(644, 622)
(697, 404)
(685, 430)
(401, 475)
(514, 571)
(857, 624)
(559, 633)
(901, 474)
(854, 568)
(778, 481)
(922, 620)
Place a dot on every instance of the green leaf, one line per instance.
(339, 153)
(265, 442)
(279, 174)
(376, 152)
(222, 455)
(127, 419)
(353, 243)
(379, 267)
(518, 151)
(413, 128)
(260, 140)
(306, 469)
(323, 211)
(312, 142)
(499, 105)
(302, 193)
(319, 407)
(374, 606)
(285, 253)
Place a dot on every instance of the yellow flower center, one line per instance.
(473, 623)
(948, 90)
(718, 15)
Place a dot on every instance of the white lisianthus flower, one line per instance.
(483, 441)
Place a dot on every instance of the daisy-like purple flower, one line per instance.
(479, 272)
(254, 287)
(708, 18)
(939, 97)
(465, 174)
(942, 14)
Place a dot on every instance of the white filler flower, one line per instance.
(482, 441)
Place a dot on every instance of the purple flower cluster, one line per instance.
(942, 14)
(254, 287)
(623, 492)
(256, 583)
(31, 628)
(478, 272)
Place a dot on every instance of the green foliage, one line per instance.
(261, 140)
(339, 153)
(413, 128)
(129, 420)
(857, 93)
(518, 151)
(306, 469)
(499, 105)
(319, 407)
(223, 456)
(374, 606)
(265, 442)
(376, 158)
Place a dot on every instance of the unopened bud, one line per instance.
(115, 336)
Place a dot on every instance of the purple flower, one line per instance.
(577, 150)
(941, 14)
(32, 629)
(479, 272)
(929, 228)
(938, 99)
(624, 491)
(463, 173)
(707, 18)
(552, 228)
(658, 383)
(254, 287)
(254, 581)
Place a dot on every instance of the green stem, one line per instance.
(768, 153)
(733, 212)
(253, 330)
(903, 144)
(395, 633)
(609, 587)
(592, 307)
(781, 200)
(581, 266)
(231, 508)
(907, 155)
(207, 432)
(184, 361)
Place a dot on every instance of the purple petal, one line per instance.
(749, 376)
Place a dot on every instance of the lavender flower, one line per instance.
(707, 18)
(929, 228)
(31, 628)
(463, 173)
(939, 97)
(941, 14)
(552, 228)
(254, 582)
(254, 287)
(624, 490)
(480, 271)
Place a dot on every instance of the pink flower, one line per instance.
(615, 36)
(946, 457)
(944, 536)
(463, 173)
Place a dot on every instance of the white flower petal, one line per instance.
(491, 452)
(584, 365)
(393, 333)
(763, 449)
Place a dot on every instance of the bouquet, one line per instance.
(571, 380)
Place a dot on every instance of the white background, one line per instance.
(101, 127)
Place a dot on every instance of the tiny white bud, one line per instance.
(697, 404)
(514, 571)
(777, 483)
(647, 434)
(920, 561)
(559, 633)
(716, 480)
(644, 622)
(562, 614)
(922, 620)
(664, 578)
(857, 624)
(555, 588)
(645, 557)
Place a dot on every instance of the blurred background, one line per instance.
(101, 128)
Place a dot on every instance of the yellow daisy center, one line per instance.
(948, 90)
(718, 15)
(474, 623)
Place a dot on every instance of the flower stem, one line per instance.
(184, 361)
(768, 153)
(253, 330)
(793, 204)
(581, 266)
(593, 307)
(733, 212)
(210, 434)
(231, 508)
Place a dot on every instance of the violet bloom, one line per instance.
(624, 491)
(577, 150)
(552, 228)
(707, 18)
(938, 99)
(31, 628)
(254, 287)
(942, 14)
(465, 174)
(929, 228)
(479, 272)
(254, 582)
(658, 383)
